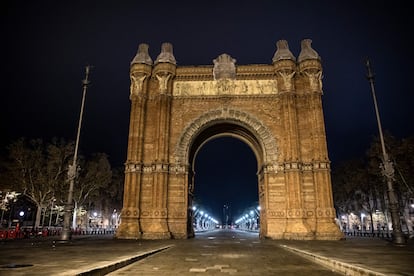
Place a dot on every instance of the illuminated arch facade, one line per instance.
(274, 108)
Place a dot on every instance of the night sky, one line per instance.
(47, 44)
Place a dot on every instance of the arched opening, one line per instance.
(223, 183)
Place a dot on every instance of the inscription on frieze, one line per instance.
(224, 87)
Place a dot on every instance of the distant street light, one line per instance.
(387, 171)
(362, 221)
(66, 233)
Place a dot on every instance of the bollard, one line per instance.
(3, 235)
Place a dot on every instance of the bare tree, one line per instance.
(359, 186)
(38, 170)
(95, 175)
(401, 152)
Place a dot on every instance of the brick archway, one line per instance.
(256, 129)
(276, 109)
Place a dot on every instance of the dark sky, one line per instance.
(46, 45)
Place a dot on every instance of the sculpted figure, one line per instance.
(287, 79)
(163, 81)
(315, 80)
(137, 84)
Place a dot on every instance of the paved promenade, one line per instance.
(222, 252)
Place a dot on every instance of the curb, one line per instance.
(335, 265)
(108, 268)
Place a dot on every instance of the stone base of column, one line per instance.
(155, 229)
(274, 230)
(327, 229)
(128, 229)
(297, 229)
(156, 235)
(180, 228)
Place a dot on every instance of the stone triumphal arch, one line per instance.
(274, 108)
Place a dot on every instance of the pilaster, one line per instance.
(140, 70)
(310, 70)
(154, 220)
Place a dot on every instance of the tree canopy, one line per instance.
(39, 170)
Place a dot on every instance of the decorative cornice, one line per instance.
(157, 167)
(205, 72)
(296, 166)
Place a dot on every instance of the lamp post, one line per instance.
(66, 233)
(388, 171)
(362, 222)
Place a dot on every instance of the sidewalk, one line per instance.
(44, 256)
(358, 256)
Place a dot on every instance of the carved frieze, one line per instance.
(154, 213)
(286, 166)
(156, 167)
(132, 167)
(276, 214)
(177, 168)
(224, 87)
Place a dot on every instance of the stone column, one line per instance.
(311, 70)
(141, 67)
(285, 70)
(164, 71)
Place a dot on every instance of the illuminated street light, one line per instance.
(387, 171)
(362, 221)
(66, 232)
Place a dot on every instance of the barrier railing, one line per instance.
(49, 232)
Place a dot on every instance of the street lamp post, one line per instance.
(388, 171)
(66, 233)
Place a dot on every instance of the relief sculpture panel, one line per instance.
(224, 87)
